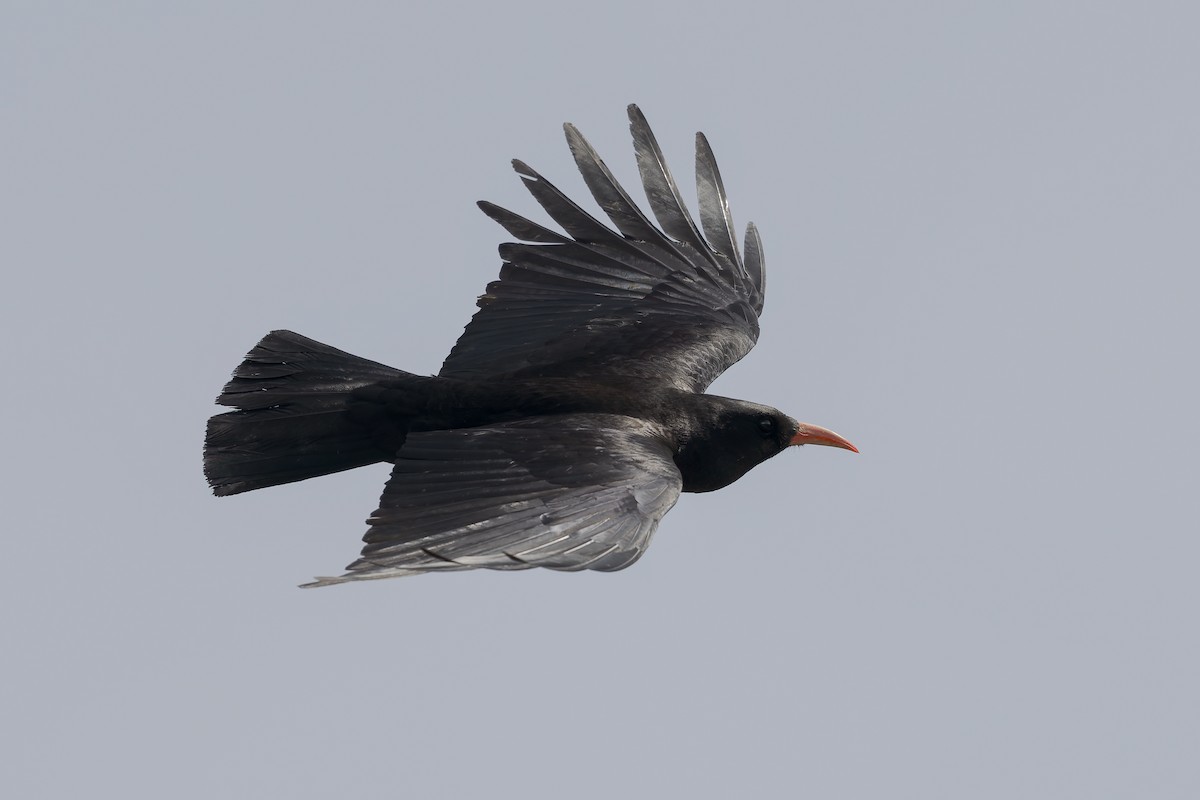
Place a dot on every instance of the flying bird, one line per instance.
(571, 413)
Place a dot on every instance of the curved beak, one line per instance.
(815, 434)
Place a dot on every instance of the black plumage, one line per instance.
(570, 414)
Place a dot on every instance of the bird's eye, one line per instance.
(767, 426)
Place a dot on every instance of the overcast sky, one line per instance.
(981, 228)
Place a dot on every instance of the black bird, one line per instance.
(570, 414)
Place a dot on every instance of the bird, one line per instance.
(571, 413)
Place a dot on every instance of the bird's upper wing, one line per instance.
(668, 304)
(572, 492)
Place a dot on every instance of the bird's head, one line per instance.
(738, 436)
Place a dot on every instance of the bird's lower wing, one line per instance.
(572, 492)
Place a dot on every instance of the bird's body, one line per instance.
(569, 416)
(689, 424)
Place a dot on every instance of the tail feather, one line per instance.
(292, 395)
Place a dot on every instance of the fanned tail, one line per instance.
(292, 394)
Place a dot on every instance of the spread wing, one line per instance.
(573, 492)
(669, 304)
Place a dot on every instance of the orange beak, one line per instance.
(815, 434)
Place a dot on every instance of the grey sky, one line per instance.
(980, 223)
